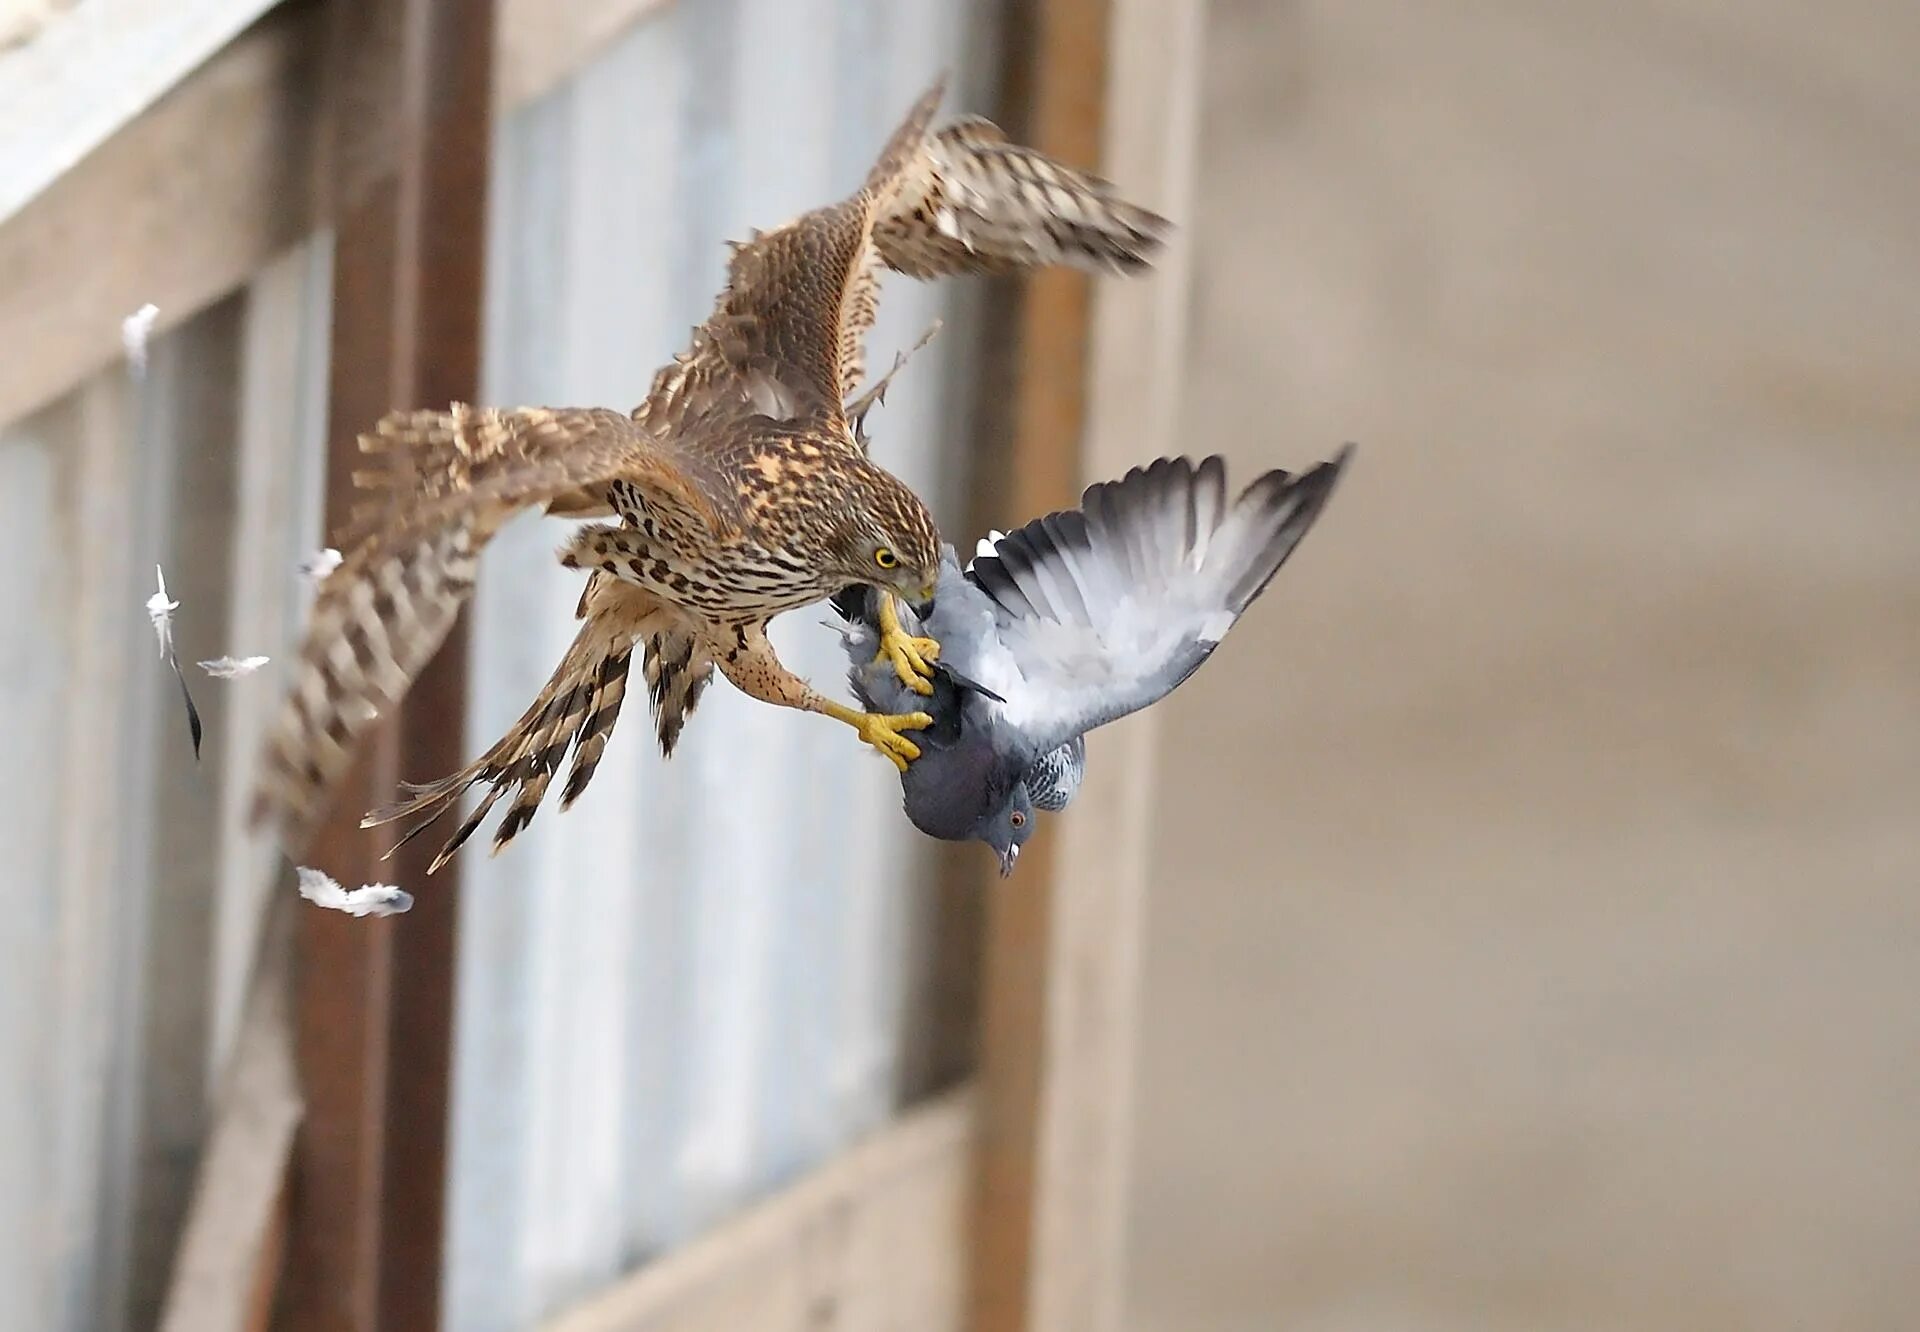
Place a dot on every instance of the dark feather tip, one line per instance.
(850, 603)
(971, 686)
(193, 713)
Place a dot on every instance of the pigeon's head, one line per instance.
(1007, 826)
(965, 790)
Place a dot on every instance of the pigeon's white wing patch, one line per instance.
(1077, 675)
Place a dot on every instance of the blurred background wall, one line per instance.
(1535, 928)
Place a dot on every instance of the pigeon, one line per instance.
(1075, 620)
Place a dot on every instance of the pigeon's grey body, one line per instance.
(1075, 620)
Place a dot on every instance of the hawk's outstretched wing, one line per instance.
(452, 479)
(786, 336)
(971, 202)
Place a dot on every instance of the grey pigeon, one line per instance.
(1073, 621)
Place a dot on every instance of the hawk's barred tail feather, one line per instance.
(576, 710)
(603, 711)
(678, 669)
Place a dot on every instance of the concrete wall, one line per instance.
(1548, 954)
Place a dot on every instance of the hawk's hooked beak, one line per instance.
(1007, 858)
(924, 602)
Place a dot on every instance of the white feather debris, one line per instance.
(160, 610)
(232, 668)
(321, 563)
(373, 899)
(135, 329)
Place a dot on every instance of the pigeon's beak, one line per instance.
(1007, 858)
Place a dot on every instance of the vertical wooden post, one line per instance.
(1055, 80)
(445, 213)
(405, 172)
(1108, 82)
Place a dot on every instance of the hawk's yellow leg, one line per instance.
(882, 730)
(749, 662)
(912, 657)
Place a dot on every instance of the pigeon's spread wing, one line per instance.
(1106, 609)
(451, 479)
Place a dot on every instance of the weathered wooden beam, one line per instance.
(185, 201)
(448, 155)
(230, 1251)
(1109, 82)
(179, 208)
(85, 70)
(542, 42)
(1055, 78)
(405, 182)
(874, 1240)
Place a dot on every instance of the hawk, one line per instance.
(1076, 620)
(740, 488)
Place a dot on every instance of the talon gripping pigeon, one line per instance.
(1073, 621)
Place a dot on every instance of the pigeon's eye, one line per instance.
(1017, 819)
(886, 559)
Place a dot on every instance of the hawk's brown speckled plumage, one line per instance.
(739, 487)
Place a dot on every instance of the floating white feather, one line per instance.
(135, 329)
(373, 899)
(321, 563)
(231, 668)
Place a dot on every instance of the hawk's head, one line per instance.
(888, 539)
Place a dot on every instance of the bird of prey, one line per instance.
(741, 488)
(1073, 621)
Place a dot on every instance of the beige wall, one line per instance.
(1548, 956)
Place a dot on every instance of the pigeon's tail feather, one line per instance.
(1165, 530)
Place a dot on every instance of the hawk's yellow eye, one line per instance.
(886, 559)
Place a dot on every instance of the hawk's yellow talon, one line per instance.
(912, 660)
(912, 657)
(882, 731)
